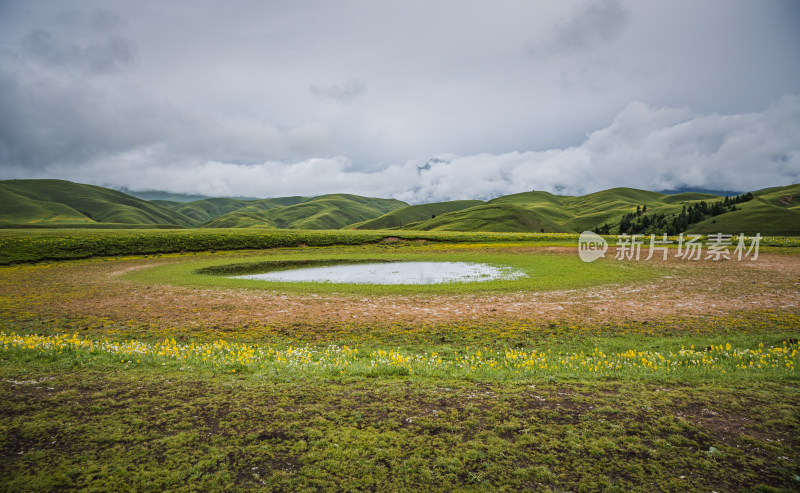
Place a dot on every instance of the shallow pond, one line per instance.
(392, 273)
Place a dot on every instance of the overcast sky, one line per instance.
(268, 98)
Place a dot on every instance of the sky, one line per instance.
(418, 100)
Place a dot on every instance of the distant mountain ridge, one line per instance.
(59, 203)
(723, 193)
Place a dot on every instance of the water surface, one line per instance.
(392, 273)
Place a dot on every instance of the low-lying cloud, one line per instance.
(644, 147)
(285, 98)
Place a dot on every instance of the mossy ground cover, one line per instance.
(106, 399)
(114, 427)
(541, 272)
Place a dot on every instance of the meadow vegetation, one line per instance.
(58, 203)
(132, 370)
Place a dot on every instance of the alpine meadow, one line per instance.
(133, 359)
(418, 246)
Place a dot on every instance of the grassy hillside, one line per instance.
(207, 209)
(613, 202)
(783, 197)
(58, 202)
(17, 208)
(773, 211)
(679, 198)
(415, 213)
(491, 217)
(552, 207)
(169, 204)
(323, 212)
(537, 211)
(51, 203)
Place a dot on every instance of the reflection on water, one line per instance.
(392, 273)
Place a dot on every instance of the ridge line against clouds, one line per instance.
(679, 149)
(268, 98)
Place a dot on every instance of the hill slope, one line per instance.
(59, 202)
(542, 211)
(323, 212)
(773, 211)
(498, 218)
(207, 209)
(414, 213)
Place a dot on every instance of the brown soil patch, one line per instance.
(97, 289)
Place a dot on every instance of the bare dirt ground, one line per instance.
(98, 289)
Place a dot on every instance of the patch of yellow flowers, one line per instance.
(340, 359)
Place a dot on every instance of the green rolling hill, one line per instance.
(498, 218)
(768, 212)
(207, 209)
(539, 211)
(414, 213)
(323, 212)
(773, 211)
(688, 197)
(59, 202)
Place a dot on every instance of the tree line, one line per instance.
(640, 222)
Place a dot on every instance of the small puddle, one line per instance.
(392, 273)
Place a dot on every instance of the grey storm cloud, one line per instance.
(271, 98)
(110, 55)
(676, 147)
(80, 43)
(347, 91)
(598, 22)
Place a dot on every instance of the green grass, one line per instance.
(323, 212)
(687, 197)
(34, 245)
(106, 424)
(491, 217)
(413, 214)
(544, 272)
(107, 404)
(756, 216)
(16, 208)
(56, 203)
(207, 209)
(534, 211)
(59, 201)
(537, 211)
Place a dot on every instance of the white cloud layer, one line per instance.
(644, 147)
(257, 98)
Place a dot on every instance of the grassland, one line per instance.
(55, 203)
(772, 212)
(59, 202)
(542, 272)
(323, 212)
(29, 245)
(413, 214)
(134, 372)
